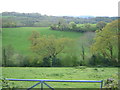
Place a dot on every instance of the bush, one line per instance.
(46, 62)
(56, 62)
(111, 83)
(35, 61)
(68, 60)
(97, 60)
(7, 85)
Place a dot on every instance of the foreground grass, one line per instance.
(68, 73)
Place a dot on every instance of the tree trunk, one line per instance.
(53, 60)
(4, 57)
(83, 53)
(111, 51)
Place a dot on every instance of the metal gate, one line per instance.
(42, 81)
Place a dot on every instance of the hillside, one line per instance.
(18, 38)
(15, 19)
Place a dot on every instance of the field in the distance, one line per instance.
(60, 73)
(19, 37)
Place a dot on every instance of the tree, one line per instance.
(100, 25)
(106, 41)
(49, 47)
(87, 27)
(33, 37)
(53, 27)
(85, 42)
(7, 53)
(72, 26)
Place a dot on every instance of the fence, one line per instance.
(42, 81)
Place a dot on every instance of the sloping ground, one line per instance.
(18, 38)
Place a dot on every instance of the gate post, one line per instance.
(41, 85)
(101, 84)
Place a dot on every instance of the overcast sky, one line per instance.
(62, 7)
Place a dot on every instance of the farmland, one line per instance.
(59, 50)
(19, 37)
(60, 73)
(76, 52)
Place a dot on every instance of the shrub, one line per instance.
(111, 83)
(68, 60)
(7, 85)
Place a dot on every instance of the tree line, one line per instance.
(15, 19)
(72, 26)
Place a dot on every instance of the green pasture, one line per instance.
(59, 73)
(7, 16)
(19, 37)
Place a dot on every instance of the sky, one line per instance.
(62, 7)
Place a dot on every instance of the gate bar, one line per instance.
(42, 81)
(45, 80)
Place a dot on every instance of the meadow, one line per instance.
(19, 37)
(59, 73)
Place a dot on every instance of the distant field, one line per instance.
(60, 73)
(18, 37)
(6, 16)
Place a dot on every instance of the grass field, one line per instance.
(19, 37)
(60, 73)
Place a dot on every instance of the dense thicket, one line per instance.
(14, 19)
(72, 26)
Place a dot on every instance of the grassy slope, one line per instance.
(18, 37)
(60, 74)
